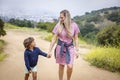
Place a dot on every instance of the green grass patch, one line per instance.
(10, 26)
(2, 43)
(2, 55)
(105, 57)
(48, 37)
(81, 41)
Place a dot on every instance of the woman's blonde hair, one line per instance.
(67, 23)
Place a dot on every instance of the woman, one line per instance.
(64, 33)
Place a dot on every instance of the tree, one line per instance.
(88, 28)
(115, 17)
(22, 23)
(2, 31)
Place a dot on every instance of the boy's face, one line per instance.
(32, 44)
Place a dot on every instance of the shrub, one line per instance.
(109, 36)
(105, 57)
(2, 31)
(2, 56)
(46, 26)
(48, 37)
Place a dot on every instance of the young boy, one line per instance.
(31, 57)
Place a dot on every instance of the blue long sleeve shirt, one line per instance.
(31, 57)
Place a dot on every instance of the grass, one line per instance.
(2, 43)
(81, 41)
(2, 55)
(48, 37)
(105, 57)
(11, 26)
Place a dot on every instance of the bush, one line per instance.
(105, 57)
(46, 26)
(115, 17)
(48, 37)
(88, 28)
(2, 31)
(2, 56)
(109, 36)
(22, 23)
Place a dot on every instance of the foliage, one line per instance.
(2, 31)
(46, 26)
(2, 44)
(115, 17)
(105, 57)
(93, 22)
(48, 37)
(22, 23)
(109, 36)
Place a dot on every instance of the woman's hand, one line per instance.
(76, 52)
(49, 54)
(77, 55)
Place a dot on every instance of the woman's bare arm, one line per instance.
(76, 40)
(76, 44)
(54, 39)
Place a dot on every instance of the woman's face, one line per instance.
(62, 17)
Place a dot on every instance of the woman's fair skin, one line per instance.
(69, 66)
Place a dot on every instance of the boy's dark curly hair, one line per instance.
(27, 42)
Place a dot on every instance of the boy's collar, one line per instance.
(30, 49)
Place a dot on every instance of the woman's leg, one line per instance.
(61, 71)
(34, 75)
(26, 76)
(69, 71)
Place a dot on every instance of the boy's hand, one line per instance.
(30, 71)
(49, 55)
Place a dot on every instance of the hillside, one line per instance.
(100, 18)
(96, 21)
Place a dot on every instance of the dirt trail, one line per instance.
(12, 68)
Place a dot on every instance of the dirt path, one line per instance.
(12, 68)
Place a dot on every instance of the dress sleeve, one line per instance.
(77, 30)
(55, 30)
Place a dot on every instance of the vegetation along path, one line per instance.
(12, 67)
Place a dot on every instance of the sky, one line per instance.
(76, 7)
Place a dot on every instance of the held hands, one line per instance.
(49, 55)
(77, 55)
(77, 52)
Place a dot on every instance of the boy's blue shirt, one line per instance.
(31, 57)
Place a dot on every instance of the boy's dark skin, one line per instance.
(34, 74)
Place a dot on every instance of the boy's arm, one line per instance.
(42, 53)
(27, 61)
